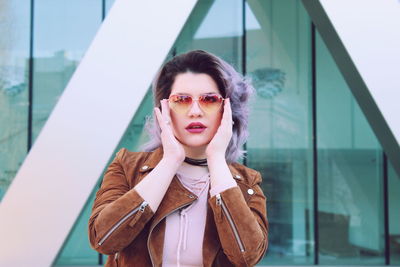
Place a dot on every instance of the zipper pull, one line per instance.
(218, 197)
(116, 256)
(143, 206)
(219, 214)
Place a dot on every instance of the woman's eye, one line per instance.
(210, 98)
(183, 99)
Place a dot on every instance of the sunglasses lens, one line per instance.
(180, 103)
(210, 102)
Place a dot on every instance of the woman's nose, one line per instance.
(195, 109)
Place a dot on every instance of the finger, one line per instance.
(164, 106)
(227, 116)
(160, 119)
(165, 113)
(229, 108)
(168, 111)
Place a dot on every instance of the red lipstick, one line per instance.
(195, 127)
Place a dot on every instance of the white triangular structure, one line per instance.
(68, 157)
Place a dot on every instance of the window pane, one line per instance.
(109, 4)
(63, 31)
(280, 143)
(350, 199)
(14, 80)
(394, 216)
(204, 30)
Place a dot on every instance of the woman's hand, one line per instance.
(218, 145)
(172, 148)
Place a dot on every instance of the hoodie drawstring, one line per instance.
(184, 222)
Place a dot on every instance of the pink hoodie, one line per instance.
(185, 228)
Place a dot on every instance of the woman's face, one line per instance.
(195, 85)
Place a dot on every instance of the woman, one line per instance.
(186, 201)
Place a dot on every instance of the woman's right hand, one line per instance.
(172, 148)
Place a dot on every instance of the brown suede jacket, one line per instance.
(123, 226)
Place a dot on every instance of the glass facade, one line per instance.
(278, 57)
(333, 198)
(393, 238)
(350, 188)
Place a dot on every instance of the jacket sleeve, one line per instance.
(242, 227)
(119, 213)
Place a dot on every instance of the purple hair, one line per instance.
(231, 84)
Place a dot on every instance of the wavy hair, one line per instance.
(231, 84)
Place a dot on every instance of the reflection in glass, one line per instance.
(14, 80)
(108, 4)
(63, 31)
(135, 135)
(350, 200)
(280, 143)
(394, 215)
(204, 30)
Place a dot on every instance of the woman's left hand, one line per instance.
(219, 143)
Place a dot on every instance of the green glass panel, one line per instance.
(214, 26)
(63, 30)
(14, 80)
(76, 249)
(280, 142)
(350, 169)
(109, 4)
(394, 215)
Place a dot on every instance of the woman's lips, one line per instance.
(195, 130)
(195, 127)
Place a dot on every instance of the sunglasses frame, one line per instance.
(199, 103)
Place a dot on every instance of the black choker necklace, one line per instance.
(197, 162)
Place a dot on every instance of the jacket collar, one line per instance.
(154, 158)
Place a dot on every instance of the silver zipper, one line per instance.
(228, 216)
(140, 208)
(151, 230)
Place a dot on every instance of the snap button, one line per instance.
(145, 167)
(191, 196)
(250, 191)
(237, 176)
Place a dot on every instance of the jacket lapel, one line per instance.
(176, 197)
